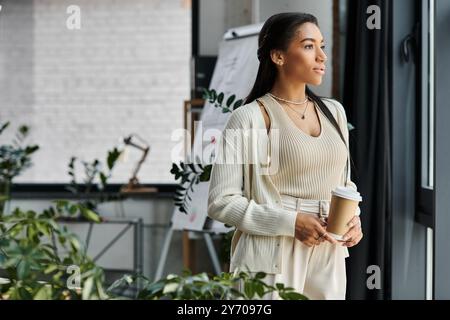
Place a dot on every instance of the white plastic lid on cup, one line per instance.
(347, 193)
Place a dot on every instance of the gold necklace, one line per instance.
(289, 101)
(296, 112)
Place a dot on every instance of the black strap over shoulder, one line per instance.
(332, 119)
(262, 105)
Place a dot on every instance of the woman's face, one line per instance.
(305, 58)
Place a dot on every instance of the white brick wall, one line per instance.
(126, 70)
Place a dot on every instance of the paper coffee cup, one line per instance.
(344, 202)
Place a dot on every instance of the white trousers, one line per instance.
(318, 272)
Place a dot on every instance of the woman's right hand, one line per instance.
(310, 230)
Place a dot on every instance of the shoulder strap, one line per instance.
(334, 110)
(267, 113)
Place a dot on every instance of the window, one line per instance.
(425, 116)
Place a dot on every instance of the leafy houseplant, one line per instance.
(202, 286)
(37, 255)
(217, 100)
(14, 159)
(96, 179)
(191, 174)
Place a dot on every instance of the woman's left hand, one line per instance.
(354, 235)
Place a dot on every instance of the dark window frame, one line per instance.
(441, 234)
(424, 196)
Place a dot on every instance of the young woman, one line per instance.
(280, 217)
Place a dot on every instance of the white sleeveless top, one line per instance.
(309, 167)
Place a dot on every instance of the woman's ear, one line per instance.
(277, 57)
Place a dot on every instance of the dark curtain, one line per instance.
(366, 99)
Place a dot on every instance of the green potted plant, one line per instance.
(40, 259)
(37, 254)
(14, 159)
(95, 178)
(203, 287)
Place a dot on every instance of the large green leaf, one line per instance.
(249, 290)
(87, 288)
(220, 97)
(90, 215)
(237, 104)
(23, 269)
(3, 127)
(230, 100)
(44, 293)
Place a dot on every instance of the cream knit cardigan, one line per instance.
(242, 194)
